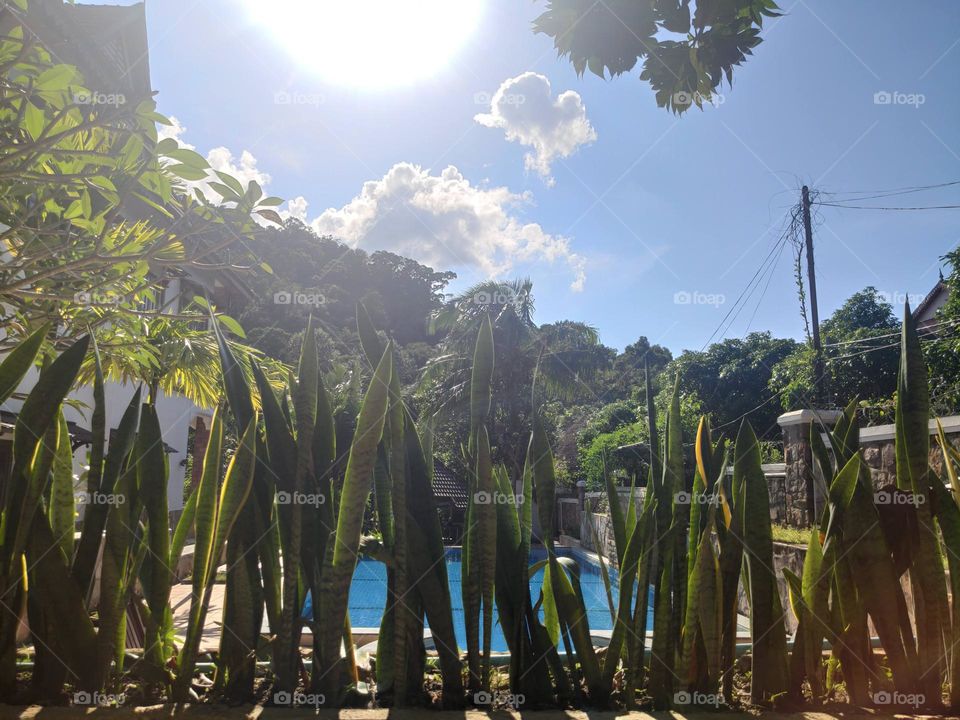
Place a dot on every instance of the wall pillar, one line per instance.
(803, 495)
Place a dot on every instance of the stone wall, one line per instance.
(600, 523)
(784, 556)
(880, 455)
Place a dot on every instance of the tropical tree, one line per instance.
(565, 356)
(729, 379)
(861, 356)
(95, 214)
(686, 49)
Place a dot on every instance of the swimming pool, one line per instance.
(368, 594)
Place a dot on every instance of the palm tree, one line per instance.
(564, 356)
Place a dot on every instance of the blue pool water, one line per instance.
(368, 594)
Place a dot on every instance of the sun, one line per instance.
(370, 44)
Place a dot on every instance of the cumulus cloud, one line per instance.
(444, 221)
(220, 158)
(525, 109)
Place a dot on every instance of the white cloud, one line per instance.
(526, 110)
(220, 158)
(296, 208)
(444, 221)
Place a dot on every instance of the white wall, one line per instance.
(176, 415)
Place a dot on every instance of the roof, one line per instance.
(446, 484)
(107, 43)
(933, 301)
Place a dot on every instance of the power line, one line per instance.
(872, 194)
(926, 331)
(926, 340)
(867, 207)
(736, 308)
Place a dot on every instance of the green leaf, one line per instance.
(15, 365)
(33, 120)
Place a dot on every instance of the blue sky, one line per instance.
(654, 206)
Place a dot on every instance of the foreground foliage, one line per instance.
(683, 551)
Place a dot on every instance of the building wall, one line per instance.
(176, 414)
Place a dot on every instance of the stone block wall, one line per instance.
(879, 451)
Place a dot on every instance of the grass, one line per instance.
(790, 535)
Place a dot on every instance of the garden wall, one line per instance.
(878, 452)
(880, 456)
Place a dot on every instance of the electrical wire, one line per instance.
(867, 207)
(873, 194)
(751, 286)
(925, 331)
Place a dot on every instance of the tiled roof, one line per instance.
(446, 484)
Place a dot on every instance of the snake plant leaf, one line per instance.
(207, 508)
(64, 605)
(34, 441)
(281, 445)
(338, 571)
(769, 678)
(304, 393)
(486, 532)
(632, 555)
(62, 502)
(370, 341)
(215, 519)
(184, 524)
(617, 518)
(815, 591)
(912, 411)
(869, 560)
(573, 613)
(98, 427)
(947, 514)
(95, 515)
(234, 380)
(482, 376)
(116, 575)
(19, 360)
(912, 446)
(151, 463)
(950, 460)
(604, 575)
(710, 614)
(544, 478)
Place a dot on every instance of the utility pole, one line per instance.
(819, 370)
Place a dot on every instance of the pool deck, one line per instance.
(212, 712)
